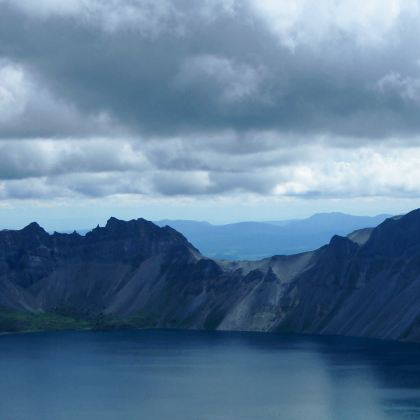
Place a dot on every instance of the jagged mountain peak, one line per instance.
(34, 228)
(115, 222)
(133, 226)
(116, 226)
(141, 227)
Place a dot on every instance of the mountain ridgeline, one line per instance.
(137, 274)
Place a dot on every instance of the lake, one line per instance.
(182, 375)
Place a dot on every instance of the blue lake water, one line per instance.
(179, 375)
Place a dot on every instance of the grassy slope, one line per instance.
(15, 321)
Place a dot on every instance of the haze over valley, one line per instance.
(256, 240)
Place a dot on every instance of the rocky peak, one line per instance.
(396, 236)
(341, 247)
(139, 238)
(116, 224)
(34, 229)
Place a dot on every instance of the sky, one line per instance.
(218, 110)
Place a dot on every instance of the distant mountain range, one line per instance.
(136, 274)
(256, 240)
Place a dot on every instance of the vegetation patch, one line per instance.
(19, 321)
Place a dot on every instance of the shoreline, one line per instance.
(269, 333)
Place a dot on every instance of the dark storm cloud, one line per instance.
(209, 97)
(190, 72)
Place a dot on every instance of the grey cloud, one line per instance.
(28, 159)
(182, 183)
(93, 167)
(212, 183)
(234, 82)
(101, 184)
(71, 186)
(173, 82)
(29, 110)
(226, 153)
(326, 172)
(394, 85)
(29, 188)
(102, 98)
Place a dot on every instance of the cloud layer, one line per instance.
(209, 98)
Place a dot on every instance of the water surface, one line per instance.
(179, 375)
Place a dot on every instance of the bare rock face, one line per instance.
(367, 284)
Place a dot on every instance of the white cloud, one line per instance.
(306, 22)
(355, 173)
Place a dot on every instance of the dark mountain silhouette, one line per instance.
(138, 274)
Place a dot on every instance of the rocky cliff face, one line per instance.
(367, 284)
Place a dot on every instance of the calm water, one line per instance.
(153, 375)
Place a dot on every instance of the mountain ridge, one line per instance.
(138, 274)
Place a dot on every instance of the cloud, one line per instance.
(175, 67)
(148, 18)
(407, 88)
(212, 98)
(47, 169)
(233, 81)
(29, 110)
(368, 23)
(362, 173)
(37, 158)
(13, 92)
